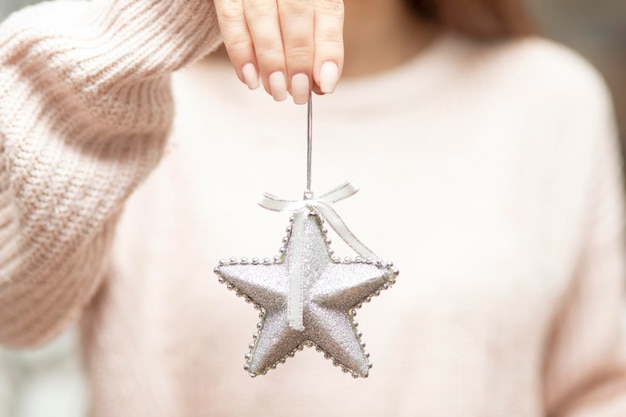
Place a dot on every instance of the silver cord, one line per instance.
(309, 151)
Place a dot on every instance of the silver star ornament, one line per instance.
(307, 297)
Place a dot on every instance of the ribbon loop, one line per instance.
(273, 203)
(323, 205)
(341, 192)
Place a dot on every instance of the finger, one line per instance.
(297, 28)
(316, 90)
(262, 19)
(237, 40)
(329, 47)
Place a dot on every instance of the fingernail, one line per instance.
(329, 75)
(300, 88)
(278, 86)
(250, 76)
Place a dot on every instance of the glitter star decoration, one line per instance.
(330, 292)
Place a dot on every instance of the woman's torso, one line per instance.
(456, 164)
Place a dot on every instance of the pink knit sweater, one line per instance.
(490, 175)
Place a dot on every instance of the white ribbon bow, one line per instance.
(299, 208)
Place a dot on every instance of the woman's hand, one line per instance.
(294, 46)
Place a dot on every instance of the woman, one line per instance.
(489, 171)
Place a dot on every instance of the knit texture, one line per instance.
(85, 111)
(490, 175)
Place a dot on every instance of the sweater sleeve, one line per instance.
(585, 372)
(85, 110)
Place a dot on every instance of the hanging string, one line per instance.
(308, 194)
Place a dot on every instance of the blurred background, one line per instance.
(597, 30)
(48, 382)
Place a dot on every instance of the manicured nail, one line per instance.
(250, 76)
(300, 88)
(329, 75)
(278, 86)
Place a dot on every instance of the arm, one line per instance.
(585, 372)
(85, 110)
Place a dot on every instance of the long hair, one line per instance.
(478, 18)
